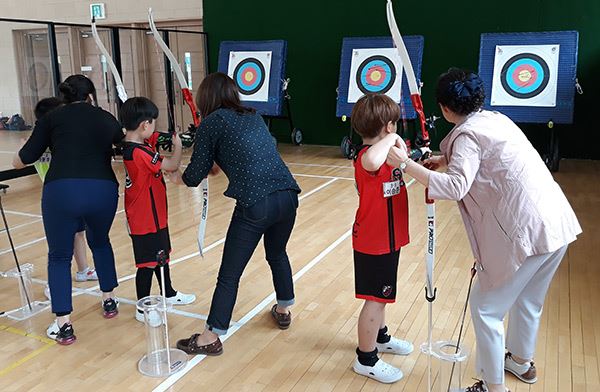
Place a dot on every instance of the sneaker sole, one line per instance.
(109, 315)
(526, 381)
(66, 342)
(371, 376)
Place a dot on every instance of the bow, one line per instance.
(189, 100)
(422, 153)
(187, 94)
(113, 68)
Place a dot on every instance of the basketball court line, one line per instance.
(94, 289)
(218, 242)
(23, 214)
(171, 380)
(47, 344)
(17, 247)
(12, 228)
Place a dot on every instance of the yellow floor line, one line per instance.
(47, 344)
(20, 332)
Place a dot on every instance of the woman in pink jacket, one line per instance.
(517, 218)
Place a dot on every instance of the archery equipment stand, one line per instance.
(160, 360)
(451, 364)
(28, 308)
(23, 273)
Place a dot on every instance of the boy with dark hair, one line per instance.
(380, 229)
(146, 197)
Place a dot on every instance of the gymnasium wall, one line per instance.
(74, 11)
(314, 30)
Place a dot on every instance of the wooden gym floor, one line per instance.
(316, 353)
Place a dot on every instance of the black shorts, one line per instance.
(375, 276)
(146, 247)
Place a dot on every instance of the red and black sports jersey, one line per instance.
(381, 223)
(145, 188)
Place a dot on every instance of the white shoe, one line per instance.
(395, 346)
(181, 299)
(525, 372)
(154, 318)
(85, 275)
(47, 292)
(382, 371)
(53, 330)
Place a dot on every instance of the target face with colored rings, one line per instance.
(249, 75)
(376, 74)
(525, 75)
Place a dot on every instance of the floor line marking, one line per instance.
(171, 380)
(47, 344)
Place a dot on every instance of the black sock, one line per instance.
(367, 359)
(143, 282)
(170, 292)
(382, 335)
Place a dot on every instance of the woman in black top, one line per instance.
(238, 141)
(80, 185)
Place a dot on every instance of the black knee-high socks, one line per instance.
(143, 281)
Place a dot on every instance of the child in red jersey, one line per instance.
(146, 196)
(380, 229)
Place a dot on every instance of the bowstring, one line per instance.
(162, 65)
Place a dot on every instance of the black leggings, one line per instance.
(143, 281)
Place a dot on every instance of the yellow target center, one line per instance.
(375, 76)
(248, 76)
(524, 75)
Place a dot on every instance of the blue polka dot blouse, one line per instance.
(243, 148)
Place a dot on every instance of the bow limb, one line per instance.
(415, 94)
(187, 94)
(121, 92)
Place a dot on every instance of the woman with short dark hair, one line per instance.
(517, 218)
(236, 138)
(79, 186)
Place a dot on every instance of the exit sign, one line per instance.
(97, 11)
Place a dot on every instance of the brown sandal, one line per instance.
(283, 320)
(189, 346)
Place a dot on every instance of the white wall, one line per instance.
(75, 11)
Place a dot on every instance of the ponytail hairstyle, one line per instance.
(461, 91)
(77, 88)
(219, 91)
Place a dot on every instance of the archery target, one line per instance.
(525, 75)
(375, 71)
(251, 72)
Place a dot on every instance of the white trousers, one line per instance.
(523, 296)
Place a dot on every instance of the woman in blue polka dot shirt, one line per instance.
(237, 139)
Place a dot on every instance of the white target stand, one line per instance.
(28, 307)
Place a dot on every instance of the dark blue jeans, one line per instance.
(273, 217)
(65, 203)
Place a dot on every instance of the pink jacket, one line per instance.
(511, 206)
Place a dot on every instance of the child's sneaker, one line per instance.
(110, 308)
(64, 335)
(85, 275)
(154, 318)
(181, 299)
(395, 346)
(381, 371)
(525, 372)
